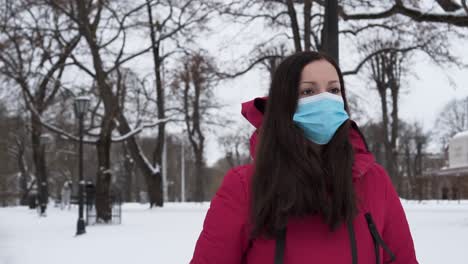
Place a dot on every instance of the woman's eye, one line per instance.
(335, 90)
(307, 92)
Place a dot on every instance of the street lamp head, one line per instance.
(81, 105)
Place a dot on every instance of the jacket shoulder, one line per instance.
(376, 176)
(243, 171)
(237, 181)
(372, 189)
(240, 175)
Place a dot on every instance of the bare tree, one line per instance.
(88, 19)
(179, 24)
(452, 119)
(8, 171)
(129, 167)
(166, 21)
(34, 57)
(17, 149)
(410, 154)
(388, 68)
(194, 86)
(272, 59)
(386, 71)
(412, 145)
(374, 138)
(236, 146)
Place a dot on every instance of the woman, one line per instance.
(314, 193)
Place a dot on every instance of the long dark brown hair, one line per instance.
(294, 176)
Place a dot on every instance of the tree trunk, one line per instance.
(111, 110)
(330, 38)
(39, 162)
(104, 174)
(418, 166)
(153, 179)
(193, 76)
(307, 26)
(394, 92)
(128, 170)
(412, 176)
(199, 179)
(389, 138)
(395, 118)
(197, 84)
(383, 101)
(271, 64)
(155, 189)
(294, 25)
(24, 175)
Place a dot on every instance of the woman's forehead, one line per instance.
(319, 71)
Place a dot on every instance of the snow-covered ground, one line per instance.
(167, 235)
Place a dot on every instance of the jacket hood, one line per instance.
(253, 111)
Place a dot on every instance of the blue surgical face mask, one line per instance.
(319, 116)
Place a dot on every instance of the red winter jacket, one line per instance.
(225, 235)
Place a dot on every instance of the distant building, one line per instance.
(458, 151)
(449, 181)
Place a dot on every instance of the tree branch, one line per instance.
(416, 15)
(357, 31)
(465, 6)
(224, 75)
(376, 53)
(53, 128)
(139, 130)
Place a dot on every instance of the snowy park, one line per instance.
(168, 235)
(121, 120)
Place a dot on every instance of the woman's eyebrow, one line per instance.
(315, 83)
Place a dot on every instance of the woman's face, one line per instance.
(319, 77)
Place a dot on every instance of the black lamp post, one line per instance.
(81, 106)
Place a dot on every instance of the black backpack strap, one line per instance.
(378, 241)
(352, 239)
(280, 245)
(249, 246)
